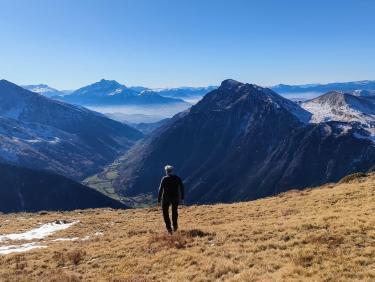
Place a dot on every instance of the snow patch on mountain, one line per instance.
(119, 90)
(343, 107)
(43, 89)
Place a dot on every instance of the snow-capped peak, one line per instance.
(344, 107)
(43, 89)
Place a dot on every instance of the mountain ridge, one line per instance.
(43, 89)
(242, 142)
(110, 92)
(350, 86)
(43, 133)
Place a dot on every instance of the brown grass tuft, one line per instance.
(164, 240)
(61, 276)
(129, 280)
(353, 177)
(76, 256)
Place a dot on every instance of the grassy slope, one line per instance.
(325, 234)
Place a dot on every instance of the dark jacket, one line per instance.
(171, 189)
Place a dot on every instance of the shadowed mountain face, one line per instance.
(23, 189)
(244, 142)
(41, 133)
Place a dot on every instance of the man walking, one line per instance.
(171, 192)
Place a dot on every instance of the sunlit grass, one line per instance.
(323, 234)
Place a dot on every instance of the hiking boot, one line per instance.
(175, 228)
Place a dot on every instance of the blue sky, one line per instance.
(165, 43)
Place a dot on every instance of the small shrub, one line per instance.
(76, 256)
(330, 240)
(132, 233)
(303, 258)
(177, 240)
(21, 263)
(372, 169)
(59, 258)
(353, 177)
(196, 233)
(226, 268)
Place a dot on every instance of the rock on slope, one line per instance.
(243, 142)
(23, 189)
(41, 133)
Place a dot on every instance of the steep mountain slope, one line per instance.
(41, 133)
(321, 234)
(110, 92)
(23, 189)
(242, 142)
(43, 89)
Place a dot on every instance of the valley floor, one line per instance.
(323, 234)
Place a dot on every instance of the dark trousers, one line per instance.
(165, 206)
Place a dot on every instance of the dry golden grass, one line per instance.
(323, 234)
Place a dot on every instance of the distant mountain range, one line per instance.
(242, 142)
(23, 189)
(110, 92)
(185, 93)
(97, 93)
(41, 133)
(347, 87)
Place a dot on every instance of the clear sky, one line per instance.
(166, 43)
